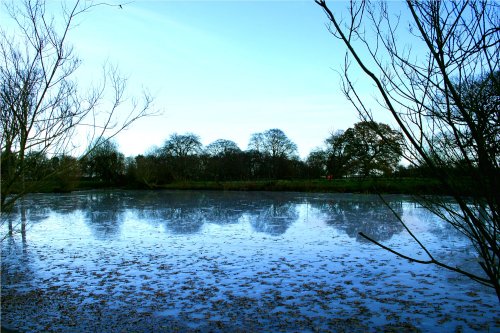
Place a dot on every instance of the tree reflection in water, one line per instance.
(95, 260)
(275, 219)
(178, 212)
(104, 214)
(182, 220)
(365, 214)
(186, 212)
(23, 215)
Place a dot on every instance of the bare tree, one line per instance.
(182, 145)
(223, 160)
(182, 155)
(275, 152)
(42, 108)
(435, 66)
(274, 143)
(222, 147)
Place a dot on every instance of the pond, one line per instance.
(189, 261)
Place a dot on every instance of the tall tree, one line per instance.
(316, 163)
(431, 65)
(373, 148)
(105, 163)
(151, 170)
(273, 143)
(222, 147)
(224, 160)
(182, 145)
(41, 105)
(275, 149)
(338, 157)
(182, 154)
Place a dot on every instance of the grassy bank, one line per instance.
(348, 185)
(375, 185)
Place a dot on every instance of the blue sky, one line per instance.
(223, 69)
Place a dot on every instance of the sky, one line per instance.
(221, 70)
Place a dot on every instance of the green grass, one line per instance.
(373, 185)
(347, 185)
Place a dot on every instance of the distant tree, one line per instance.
(257, 164)
(338, 154)
(316, 163)
(131, 172)
(273, 143)
(66, 173)
(222, 147)
(181, 152)
(37, 166)
(366, 149)
(40, 103)
(224, 160)
(104, 163)
(151, 170)
(182, 145)
(257, 157)
(480, 96)
(373, 148)
(275, 150)
(256, 143)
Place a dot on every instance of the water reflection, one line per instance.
(186, 212)
(366, 214)
(104, 214)
(31, 210)
(178, 212)
(182, 220)
(275, 219)
(24, 214)
(272, 257)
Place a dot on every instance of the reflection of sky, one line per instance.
(111, 216)
(263, 243)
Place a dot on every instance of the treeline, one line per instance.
(367, 149)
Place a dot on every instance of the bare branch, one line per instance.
(42, 107)
(442, 90)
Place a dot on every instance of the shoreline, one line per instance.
(408, 186)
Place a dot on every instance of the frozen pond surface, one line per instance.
(232, 261)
